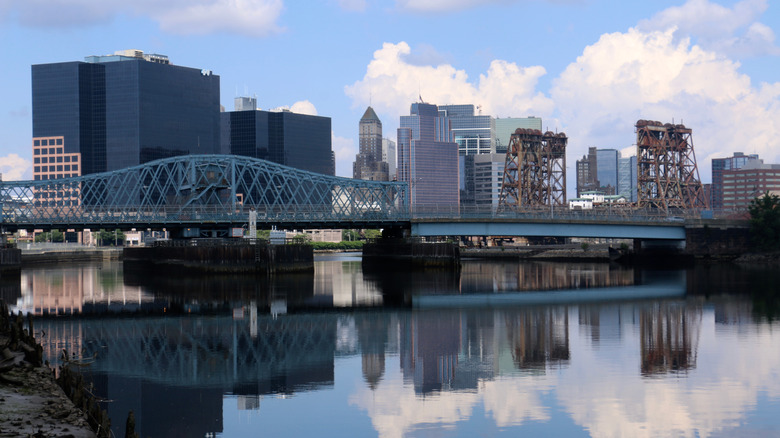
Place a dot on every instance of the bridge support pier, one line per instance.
(417, 254)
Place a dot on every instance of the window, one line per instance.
(44, 151)
(51, 151)
(37, 160)
(59, 141)
(44, 142)
(75, 167)
(67, 167)
(59, 159)
(36, 143)
(37, 169)
(51, 168)
(44, 160)
(59, 168)
(67, 158)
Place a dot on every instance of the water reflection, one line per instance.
(701, 364)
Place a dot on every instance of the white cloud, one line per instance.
(731, 31)
(392, 84)
(345, 150)
(256, 18)
(13, 167)
(304, 107)
(636, 75)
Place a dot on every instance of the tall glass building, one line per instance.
(297, 140)
(428, 157)
(627, 178)
(607, 170)
(126, 109)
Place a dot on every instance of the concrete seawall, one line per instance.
(258, 258)
(10, 258)
(418, 254)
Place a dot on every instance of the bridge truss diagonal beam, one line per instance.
(194, 189)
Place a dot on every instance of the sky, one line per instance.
(589, 68)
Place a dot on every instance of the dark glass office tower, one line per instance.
(296, 140)
(126, 109)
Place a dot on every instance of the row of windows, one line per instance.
(65, 203)
(61, 194)
(66, 158)
(57, 176)
(47, 142)
(57, 168)
(44, 151)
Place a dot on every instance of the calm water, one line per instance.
(343, 352)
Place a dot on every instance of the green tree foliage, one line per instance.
(110, 238)
(372, 234)
(301, 239)
(50, 236)
(765, 221)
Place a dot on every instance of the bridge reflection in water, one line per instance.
(175, 368)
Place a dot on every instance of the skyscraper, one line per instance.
(627, 178)
(368, 162)
(389, 156)
(121, 110)
(428, 157)
(301, 141)
(475, 135)
(587, 173)
(607, 164)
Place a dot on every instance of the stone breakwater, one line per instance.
(32, 404)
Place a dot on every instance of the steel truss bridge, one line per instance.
(219, 191)
(198, 190)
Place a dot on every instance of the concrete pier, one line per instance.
(205, 255)
(418, 254)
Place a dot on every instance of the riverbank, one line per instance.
(31, 402)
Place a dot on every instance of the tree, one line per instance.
(50, 236)
(301, 239)
(765, 221)
(372, 234)
(110, 238)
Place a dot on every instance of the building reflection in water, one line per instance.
(539, 337)
(175, 370)
(669, 337)
(78, 288)
(482, 276)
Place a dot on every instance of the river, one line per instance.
(568, 349)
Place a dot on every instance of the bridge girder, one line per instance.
(197, 189)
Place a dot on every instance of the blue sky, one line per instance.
(590, 68)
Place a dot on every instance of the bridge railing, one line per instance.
(614, 214)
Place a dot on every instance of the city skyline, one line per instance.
(710, 65)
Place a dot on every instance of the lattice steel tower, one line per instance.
(667, 175)
(534, 170)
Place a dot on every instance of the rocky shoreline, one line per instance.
(32, 404)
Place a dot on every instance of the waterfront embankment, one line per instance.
(31, 402)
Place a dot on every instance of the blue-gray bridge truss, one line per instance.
(198, 190)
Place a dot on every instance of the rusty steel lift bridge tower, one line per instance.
(667, 175)
(534, 170)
